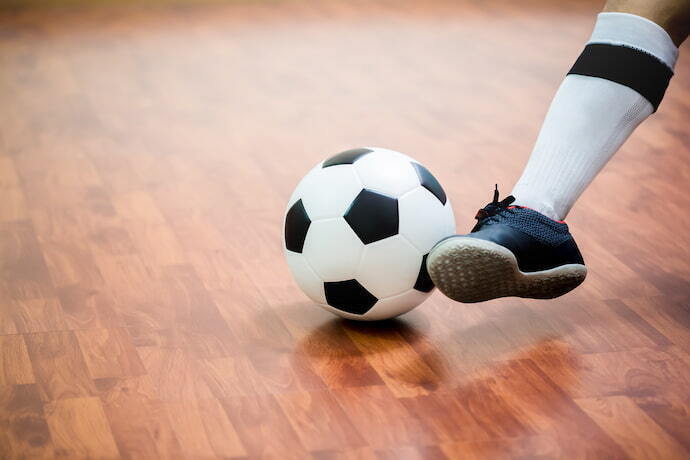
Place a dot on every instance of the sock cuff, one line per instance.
(624, 29)
(638, 70)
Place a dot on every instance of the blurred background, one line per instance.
(460, 85)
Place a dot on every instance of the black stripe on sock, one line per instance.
(628, 66)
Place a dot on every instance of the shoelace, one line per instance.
(492, 209)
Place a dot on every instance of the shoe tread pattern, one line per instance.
(470, 270)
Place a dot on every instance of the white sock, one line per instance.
(612, 88)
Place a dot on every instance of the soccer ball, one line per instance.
(358, 229)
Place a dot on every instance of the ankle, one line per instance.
(541, 206)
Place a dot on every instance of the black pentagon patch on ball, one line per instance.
(423, 282)
(373, 216)
(346, 158)
(297, 224)
(429, 182)
(349, 296)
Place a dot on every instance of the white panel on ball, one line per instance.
(328, 192)
(333, 249)
(399, 154)
(297, 193)
(388, 172)
(389, 266)
(396, 305)
(424, 220)
(308, 281)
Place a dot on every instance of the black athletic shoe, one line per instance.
(512, 251)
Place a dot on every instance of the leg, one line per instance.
(672, 15)
(611, 89)
(619, 80)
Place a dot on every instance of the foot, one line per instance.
(512, 251)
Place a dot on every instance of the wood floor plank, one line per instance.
(600, 328)
(380, 418)
(321, 341)
(113, 240)
(398, 364)
(73, 223)
(545, 408)
(136, 206)
(524, 327)
(55, 168)
(175, 309)
(109, 353)
(138, 419)
(668, 315)
(254, 324)
(79, 428)
(262, 426)
(284, 372)
(521, 447)
(7, 324)
(204, 330)
(59, 365)
(85, 307)
(640, 372)
(38, 315)
(23, 268)
(335, 358)
(231, 376)
(134, 303)
(157, 243)
(23, 428)
(476, 341)
(626, 283)
(175, 373)
(319, 421)
(670, 412)
(491, 411)
(449, 420)
(70, 263)
(15, 364)
(204, 430)
(631, 428)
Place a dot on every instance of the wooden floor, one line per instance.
(146, 156)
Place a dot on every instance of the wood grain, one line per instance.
(262, 426)
(631, 428)
(109, 353)
(319, 421)
(147, 151)
(204, 430)
(138, 419)
(79, 428)
(59, 365)
(24, 431)
(15, 364)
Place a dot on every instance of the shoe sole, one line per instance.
(472, 270)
